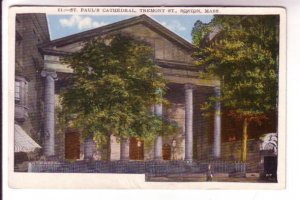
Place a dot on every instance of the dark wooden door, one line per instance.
(72, 145)
(136, 149)
(166, 151)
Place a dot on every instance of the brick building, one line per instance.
(31, 30)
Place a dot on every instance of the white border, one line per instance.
(5, 79)
(72, 180)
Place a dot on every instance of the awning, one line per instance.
(23, 142)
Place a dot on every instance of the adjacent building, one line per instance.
(31, 30)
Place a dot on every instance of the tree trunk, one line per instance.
(245, 139)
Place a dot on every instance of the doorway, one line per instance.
(166, 151)
(136, 149)
(72, 145)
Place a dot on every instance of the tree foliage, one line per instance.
(242, 52)
(113, 86)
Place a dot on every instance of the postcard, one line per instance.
(147, 97)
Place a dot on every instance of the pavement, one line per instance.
(250, 178)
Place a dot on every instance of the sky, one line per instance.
(64, 25)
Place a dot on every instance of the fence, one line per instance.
(130, 167)
(152, 168)
(181, 167)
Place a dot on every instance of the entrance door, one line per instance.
(72, 145)
(166, 151)
(136, 149)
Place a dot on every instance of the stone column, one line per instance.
(49, 115)
(158, 110)
(217, 126)
(124, 149)
(89, 148)
(153, 109)
(188, 122)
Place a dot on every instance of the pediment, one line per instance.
(166, 44)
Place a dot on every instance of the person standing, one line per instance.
(209, 174)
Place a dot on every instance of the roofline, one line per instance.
(176, 65)
(54, 52)
(160, 62)
(144, 19)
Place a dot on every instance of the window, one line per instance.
(21, 93)
(21, 90)
(17, 91)
(25, 89)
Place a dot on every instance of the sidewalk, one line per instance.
(202, 178)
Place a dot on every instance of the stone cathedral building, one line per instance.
(41, 77)
(186, 93)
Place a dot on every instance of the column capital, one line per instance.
(45, 73)
(189, 86)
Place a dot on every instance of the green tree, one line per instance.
(113, 86)
(242, 52)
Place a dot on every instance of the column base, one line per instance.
(188, 160)
(216, 159)
(124, 160)
(51, 158)
(158, 159)
(88, 159)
